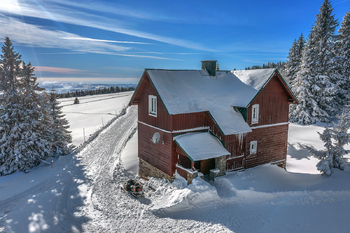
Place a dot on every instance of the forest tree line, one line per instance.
(99, 91)
(318, 69)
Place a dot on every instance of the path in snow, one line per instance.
(82, 193)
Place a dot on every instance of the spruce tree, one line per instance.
(37, 146)
(343, 50)
(11, 113)
(318, 70)
(292, 66)
(334, 138)
(61, 136)
(76, 100)
(307, 111)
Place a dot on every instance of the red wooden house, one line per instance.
(210, 121)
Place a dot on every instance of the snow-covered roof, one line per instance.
(254, 78)
(200, 146)
(189, 91)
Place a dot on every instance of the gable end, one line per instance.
(276, 73)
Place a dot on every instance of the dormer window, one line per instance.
(152, 105)
(255, 113)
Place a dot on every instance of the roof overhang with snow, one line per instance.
(200, 146)
(190, 91)
(258, 79)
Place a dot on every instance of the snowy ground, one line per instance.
(92, 112)
(81, 192)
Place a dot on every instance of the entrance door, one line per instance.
(206, 165)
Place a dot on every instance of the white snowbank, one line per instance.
(129, 155)
(195, 194)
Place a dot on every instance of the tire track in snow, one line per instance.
(94, 161)
(98, 165)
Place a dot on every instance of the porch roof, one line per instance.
(200, 146)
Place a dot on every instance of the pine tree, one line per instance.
(318, 70)
(343, 51)
(10, 111)
(36, 145)
(307, 111)
(334, 138)
(61, 136)
(76, 100)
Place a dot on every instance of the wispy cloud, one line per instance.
(56, 69)
(110, 80)
(36, 36)
(99, 40)
(175, 15)
(65, 15)
(137, 56)
(68, 71)
(33, 35)
(340, 2)
(124, 68)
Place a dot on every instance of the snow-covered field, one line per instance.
(92, 112)
(81, 192)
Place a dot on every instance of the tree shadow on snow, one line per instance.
(54, 203)
(297, 152)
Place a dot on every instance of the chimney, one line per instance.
(210, 66)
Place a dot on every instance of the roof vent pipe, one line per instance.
(210, 66)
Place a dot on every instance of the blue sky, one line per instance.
(113, 41)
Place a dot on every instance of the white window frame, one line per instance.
(253, 148)
(255, 117)
(152, 105)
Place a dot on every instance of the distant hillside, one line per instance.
(73, 87)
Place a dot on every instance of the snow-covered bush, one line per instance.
(334, 138)
(76, 100)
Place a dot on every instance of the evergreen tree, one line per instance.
(36, 146)
(334, 138)
(307, 111)
(292, 66)
(76, 100)
(61, 136)
(11, 130)
(343, 51)
(318, 71)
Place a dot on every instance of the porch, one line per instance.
(200, 153)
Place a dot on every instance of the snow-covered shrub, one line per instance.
(334, 138)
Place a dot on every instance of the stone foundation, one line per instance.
(146, 169)
(281, 164)
(220, 163)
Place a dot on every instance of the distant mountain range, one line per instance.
(72, 87)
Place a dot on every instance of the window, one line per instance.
(255, 114)
(152, 105)
(253, 147)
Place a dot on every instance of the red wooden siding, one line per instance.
(159, 155)
(236, 146)
(189, 120)
(271, 145)
(273, 103)
(162, 120)
(213, 127)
